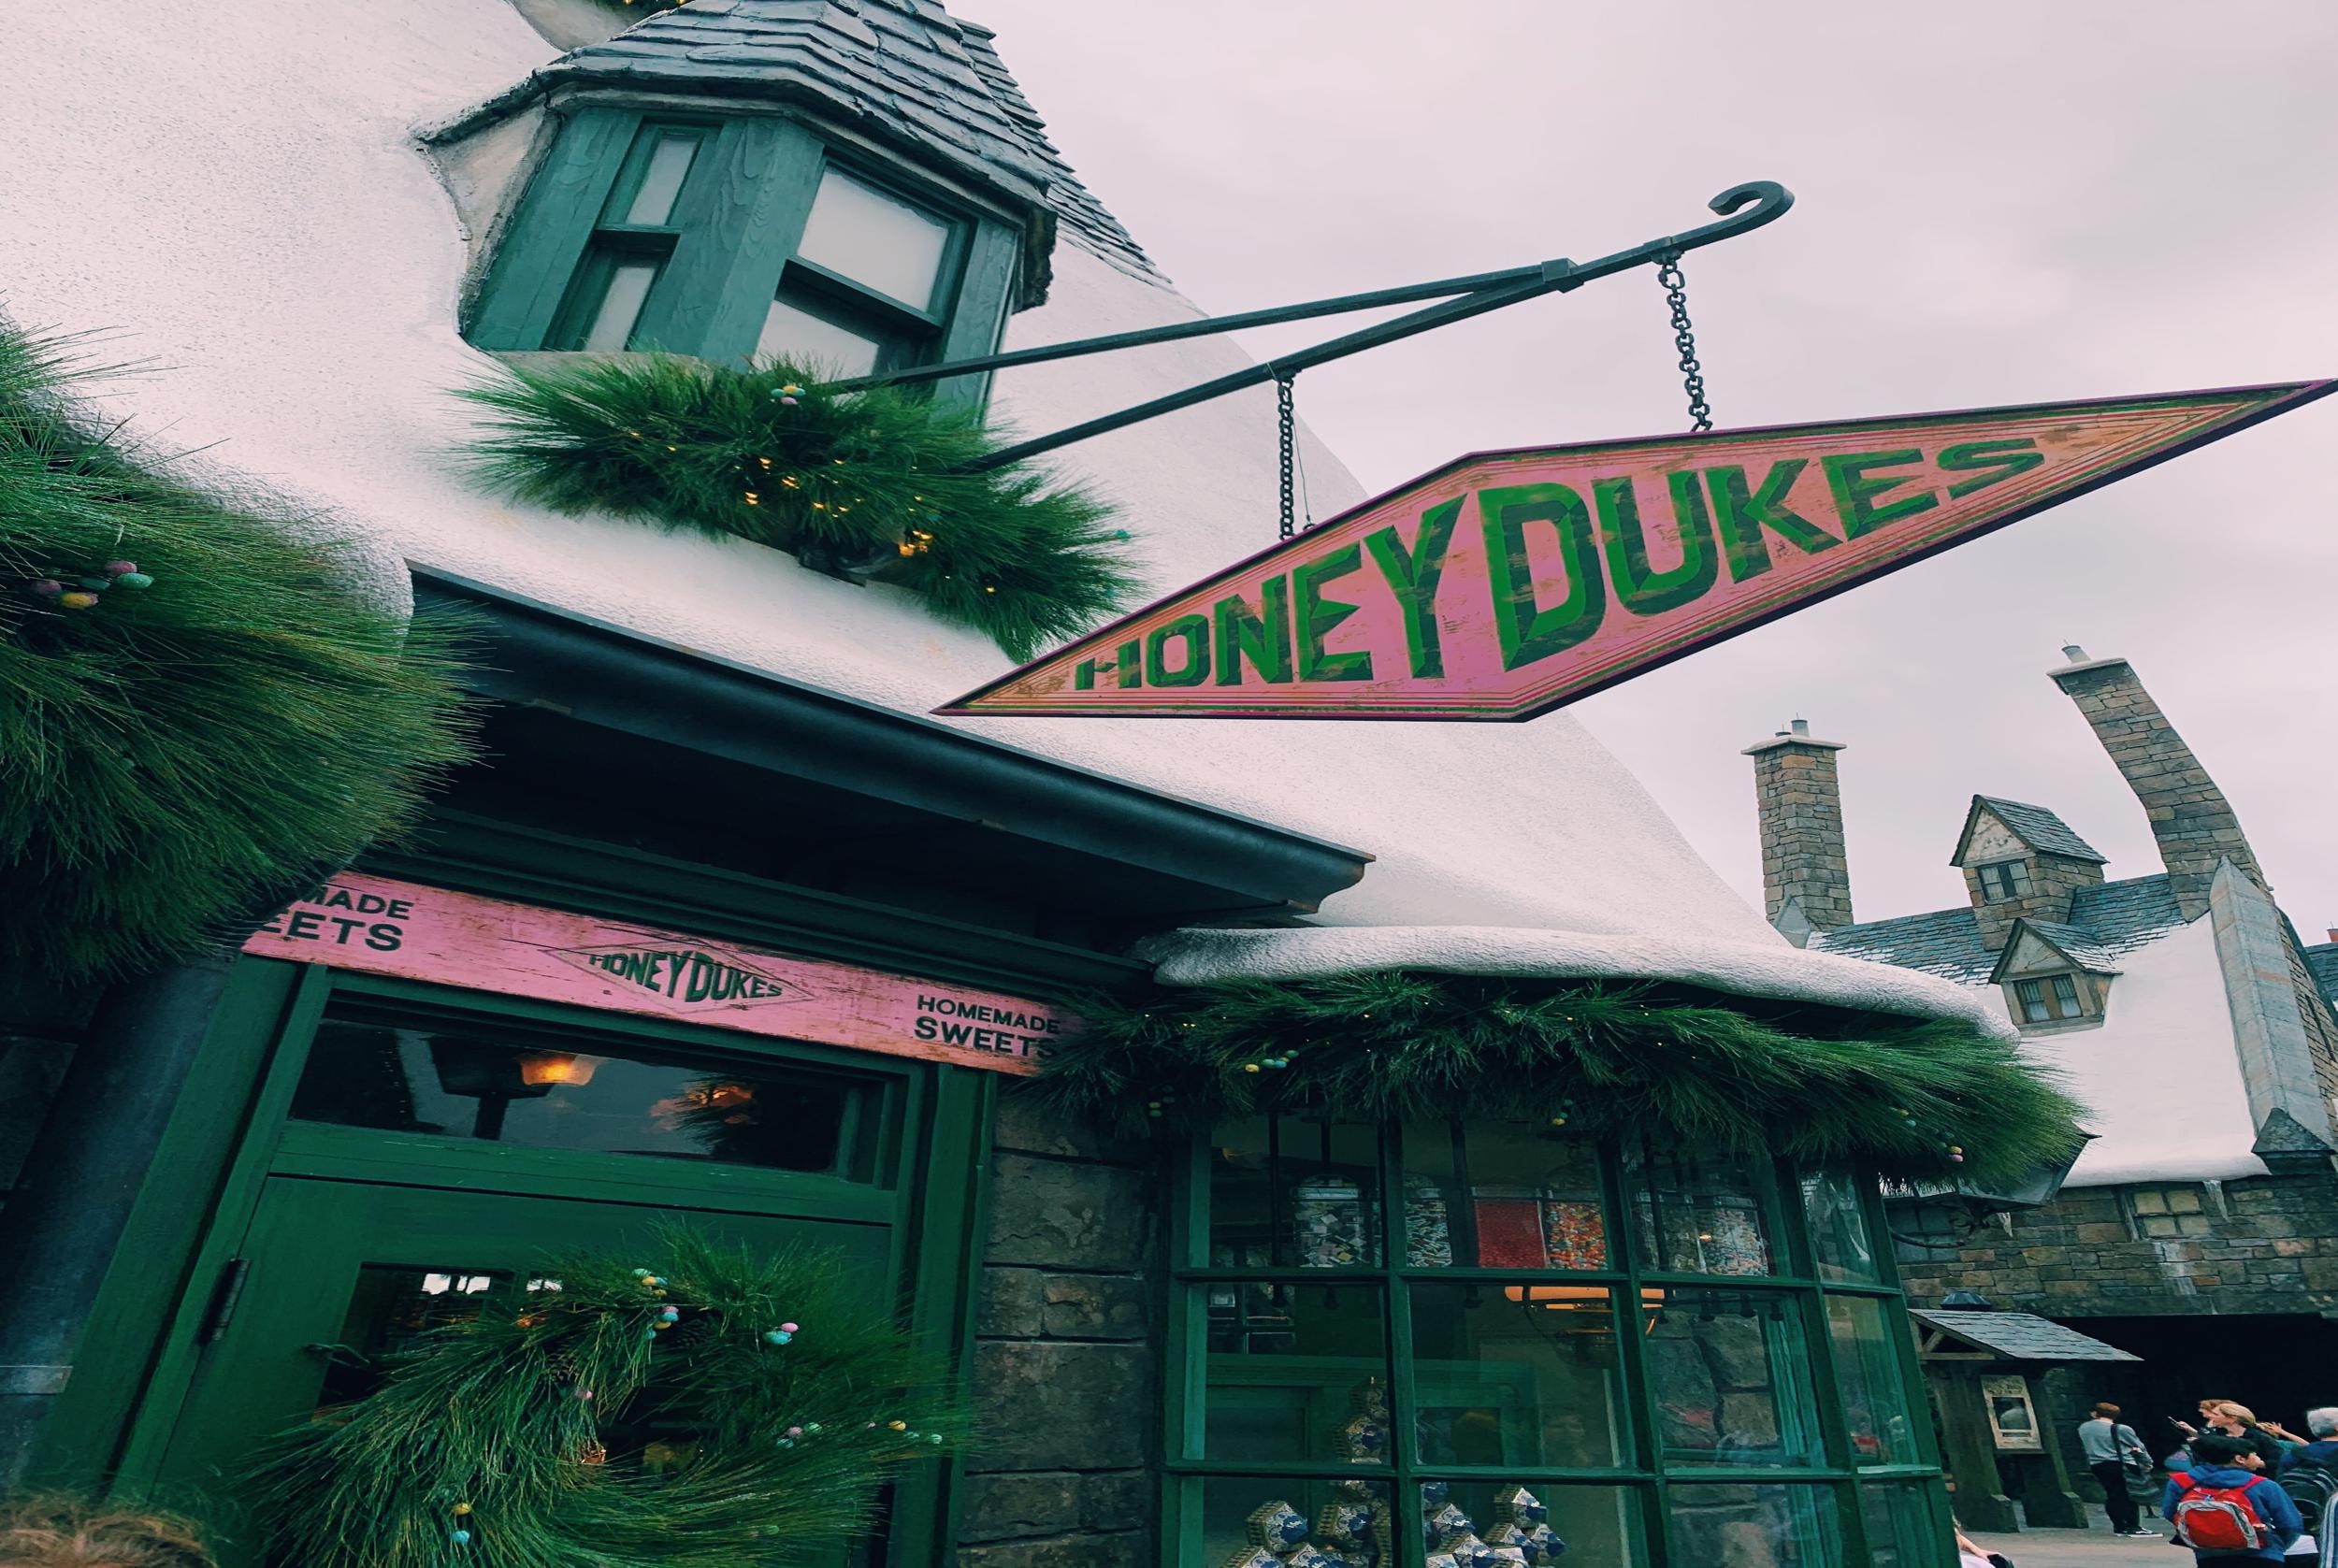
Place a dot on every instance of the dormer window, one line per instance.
(2050, 999)
(2004, 879)
(746, 238)
(863, 288)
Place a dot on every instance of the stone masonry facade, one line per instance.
(2193, 823)
(1066, 1371)
(2271, 1247)
(1802, 835)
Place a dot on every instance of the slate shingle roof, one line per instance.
(2021, 1336)
(2076, 944)
(1946, 943)
(2040, 828)
(903, 71)
(2323, 962)
(2107, 921)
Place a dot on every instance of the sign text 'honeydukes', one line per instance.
(380, 927)
(1510, 583)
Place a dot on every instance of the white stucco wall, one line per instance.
(231, 186)
(2161, 1075)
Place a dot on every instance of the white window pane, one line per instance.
(620, 305)
(801, 338)
(861, 232)
(662, 181)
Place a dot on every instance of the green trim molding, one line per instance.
(1912, 1100)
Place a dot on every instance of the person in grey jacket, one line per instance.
(2109, 1444)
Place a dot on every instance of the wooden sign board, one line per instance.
(1510, 583)
(378, 927)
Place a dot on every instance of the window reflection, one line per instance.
(532, 1093)
(1290, 1193)
(1502, 1195)
(1731, 1380)
(1297, 1372)
(1702, 1214)
(1516, 1375)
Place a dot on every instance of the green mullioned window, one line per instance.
(744, 238)
(1386, 1339)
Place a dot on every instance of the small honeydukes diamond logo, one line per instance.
(688, 976)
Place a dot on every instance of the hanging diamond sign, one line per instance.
(1509, 583)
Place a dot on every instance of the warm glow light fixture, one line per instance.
(543, 1069)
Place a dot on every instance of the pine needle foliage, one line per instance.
(495, 1426)
(861, 483)
(182, 754)
(1610, 1060)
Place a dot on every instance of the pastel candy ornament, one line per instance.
(77, 600)
(47, 588)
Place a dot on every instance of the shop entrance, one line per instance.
(336, 1278)
(420, 1158)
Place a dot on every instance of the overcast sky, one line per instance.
(1997, 204)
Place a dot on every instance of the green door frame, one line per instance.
(164, 1301)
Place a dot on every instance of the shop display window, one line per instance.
(525, 1090)
(1433, 1346)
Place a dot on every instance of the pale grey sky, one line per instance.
(1998, 203)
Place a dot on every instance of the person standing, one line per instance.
(2112, 1450)
(2225, 1510)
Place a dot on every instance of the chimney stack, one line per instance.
(1806, 883)
(2190, 818)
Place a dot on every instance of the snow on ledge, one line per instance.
(1201, 958)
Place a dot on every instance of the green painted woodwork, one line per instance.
(726, 248)
(232, 1166)
(1903, 1528)
(305, 1246)
(540, 248)
(740, 215)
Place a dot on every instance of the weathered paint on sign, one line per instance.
(379, 927)
(1510, 583)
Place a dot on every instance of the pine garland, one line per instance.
(201, 707)
(780, 1403)
(1917, 1101)
(858, 484)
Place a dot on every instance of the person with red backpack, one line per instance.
(2225, 1510)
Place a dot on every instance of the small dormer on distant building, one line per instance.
(2021, 862)
(2056, 976)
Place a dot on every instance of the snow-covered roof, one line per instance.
(2106, 921)
(258, 220)
(1199, 957)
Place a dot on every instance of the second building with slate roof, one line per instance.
(2199, 1229)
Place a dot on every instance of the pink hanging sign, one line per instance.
(375, 925)
(1509, 583)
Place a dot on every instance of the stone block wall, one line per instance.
(1799, 801)
(2272, 1246)
(1067, 1361)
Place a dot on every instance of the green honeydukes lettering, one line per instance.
(1318, 615)
(1856, 491)
(1744, 514)
(1528, 631)
(1413, 578)
(1636, 588)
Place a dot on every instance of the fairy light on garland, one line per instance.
(864, 486)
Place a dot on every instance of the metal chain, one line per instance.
(1286, 427)
(1684, 338)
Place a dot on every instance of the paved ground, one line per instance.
(2085, 1549)
(2082, 1549)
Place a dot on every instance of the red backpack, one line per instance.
(2218, 1520)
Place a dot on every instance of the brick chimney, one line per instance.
(1806, 883)
(2193, 821)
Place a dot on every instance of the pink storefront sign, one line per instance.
(401, 929)
(1509, 583)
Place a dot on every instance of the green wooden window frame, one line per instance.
(727, 246)
(1886, 1508)
(234, 1137)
